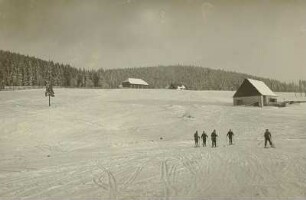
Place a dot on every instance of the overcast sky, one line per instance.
(259, 37)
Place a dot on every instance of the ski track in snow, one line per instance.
(106, 144)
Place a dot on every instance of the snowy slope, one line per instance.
(105, 144)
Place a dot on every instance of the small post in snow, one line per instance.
(49, 88)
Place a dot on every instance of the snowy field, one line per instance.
(106, 144)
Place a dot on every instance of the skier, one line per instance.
(204, 136)
(230, 135)
(196, 138)
(214, 138)
(268, 137)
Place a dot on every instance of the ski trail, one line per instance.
(111, 183)
(168, 177)
(132, 178)
(100, 181)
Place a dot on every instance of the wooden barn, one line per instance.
(134, 83)
(254, 93)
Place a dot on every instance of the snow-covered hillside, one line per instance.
(138, 144)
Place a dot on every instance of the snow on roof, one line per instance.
(261, 87)
(136, 81)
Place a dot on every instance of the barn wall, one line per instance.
(125, 84)
(247, 89)
(249, 101)
(129, 85)
(268, 102)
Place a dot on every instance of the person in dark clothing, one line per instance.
(214, 138)
(204, 136)
(268, 138)
(230, 135)
(196, 138)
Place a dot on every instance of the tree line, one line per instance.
(21, 70)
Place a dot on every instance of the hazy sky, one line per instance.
(259, 37)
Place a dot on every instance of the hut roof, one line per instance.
(251, 87)
(262, 87)
(135, 81)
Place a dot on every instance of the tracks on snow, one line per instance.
(185, 172)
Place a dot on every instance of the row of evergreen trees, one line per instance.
(20, 70)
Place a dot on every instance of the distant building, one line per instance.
(134, 83)
(182, 87)
(176, 86)
(254, 93)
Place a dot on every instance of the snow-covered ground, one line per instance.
(106, 144)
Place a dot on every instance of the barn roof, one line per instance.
(251, 87)
(262, 87)
(135, 81)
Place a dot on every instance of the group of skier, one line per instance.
(230, 135)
